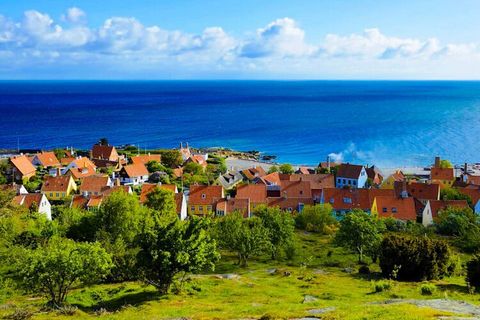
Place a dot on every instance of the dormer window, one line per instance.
(384, 209)
(394, 210)
(204, 195)
(347, 200)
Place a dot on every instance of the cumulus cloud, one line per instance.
(282, 37)
(119, 41)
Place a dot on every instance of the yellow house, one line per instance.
(204, 199)
(59, 187)
(445, 177)
(389, 182)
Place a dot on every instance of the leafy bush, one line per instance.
(455, 221)
(408, 258)
(427, 289)
(381, 286)
(473, 271)
(19, 314)
(315, 218)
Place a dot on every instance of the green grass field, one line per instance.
(257, 291)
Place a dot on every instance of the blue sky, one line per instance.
(147, 39)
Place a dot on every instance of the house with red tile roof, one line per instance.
(104, 152)
(231, 205)
(133, 174)
(443, 176)
(80, 163)
(46, 159)
(374, 175)
(421, 191)
(90, 203)
(95, 185)
(59, 187)
(204, 199)
(473, 191)
(400, 208)
(256, 193)
(304, 170)
(20, 168)
(149, 187)
(35, 200)
(117, 188)
(251, 173)
(434, 207)
(351, 176)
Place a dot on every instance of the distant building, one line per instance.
(59, 187)
(35, 200)
(443, 176)
(433, 208)
(133, 174)
(20, 168)
(352, 176)
(46, 159)
(389, 182)
(204, 199)
(400, 208)
(103, 152)
(95, 185)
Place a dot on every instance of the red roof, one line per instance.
(146, 158)
(27, 200)
(146, 189)
(135, 170)
(257, 193)
(253, 173)
(58, 183)
(296, 189)
(48, 159)
(82, 172)
(23, 165)
(94, 183)
(349, 171)
(398, 208)
(473, 193)
(104, 152)
(79, 201)
(347, 199)
(473, 179)
(422, 191)
(318, 181)
(442, 174)
(205, 195)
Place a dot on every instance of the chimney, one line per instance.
(465, 168)
(437, 162)
(59, 173)
(404, 193)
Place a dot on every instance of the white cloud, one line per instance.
(125, 43)
(281, 37)
(74, 15)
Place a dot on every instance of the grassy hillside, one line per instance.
(322, 280)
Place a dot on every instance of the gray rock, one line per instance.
(271, 271)
(322, 310)
(308, 298)
(347, 270)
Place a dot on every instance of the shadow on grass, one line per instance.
(452, 287)
(117, 303)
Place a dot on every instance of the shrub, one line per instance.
(382, 285)
(427, 289)
(364, 270)
(19, 314)
(315, 218)
(455, 221)
(473, 271)
(406, 258)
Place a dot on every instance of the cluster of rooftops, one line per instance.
(342, 186)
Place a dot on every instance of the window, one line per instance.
(300, 207)
(344, 181)
(204, 195)
(354, 182)
(289, 209)
(63, 194)
(209, 208)
(332, 200)
(301, 191)
(192, 208)
(57, 194)
(349, 182)
(394, 210)
(51, 194)
(384, 209)
(339, 180)
(347, 200)
(200, 208)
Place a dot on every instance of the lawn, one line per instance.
(320, 277)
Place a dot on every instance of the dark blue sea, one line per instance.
(388, 123)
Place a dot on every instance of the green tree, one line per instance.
(171, 158)
(173, 248)
(163, 202)
(246, 237)
(286, 168)
(103, 141)
(317, 218)
(61, 264)
(153, 166)
(454, 194)
(272, 169)
(445, 164)
(119, 221)
(280, 226)
(360, 232)
(454, 221)
(193, 168)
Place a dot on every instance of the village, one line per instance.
(203, 185)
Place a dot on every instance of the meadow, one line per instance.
(322, 281)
